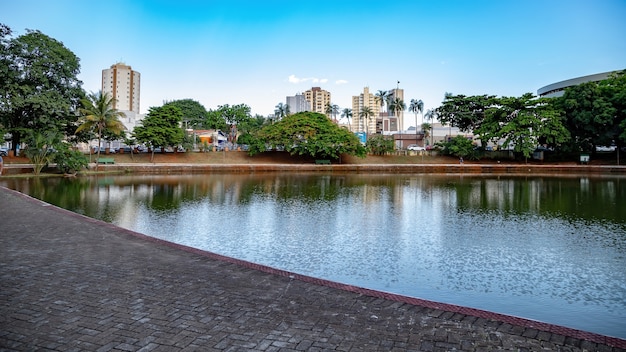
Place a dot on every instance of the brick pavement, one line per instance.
(70, 283)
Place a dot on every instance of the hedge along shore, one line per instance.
(496, 169)
(366, 168)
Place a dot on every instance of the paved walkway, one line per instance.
(69, 283)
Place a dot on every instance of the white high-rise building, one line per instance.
(122, 83)
(298, 103)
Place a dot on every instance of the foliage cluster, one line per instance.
(308, 133)
(380, 145)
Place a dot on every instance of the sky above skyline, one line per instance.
(259, 52)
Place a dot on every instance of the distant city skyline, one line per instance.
(259, 52)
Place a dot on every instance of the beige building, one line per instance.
(122, 83)
(394, 122)
(317, 99)
(359, 124)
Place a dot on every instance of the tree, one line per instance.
(524, 123)
(39, 88)
(382, 97)
(282, 110)
(68, 160)
(595, 112)
(347, 113)
(431, 115)
(334, 109)
(41, 147)
(396, 106)
(417, 106)
(380, 144)
(161, 128)
(365, 114)
(194, 113)
(461, 147)
(308, 133)
(98, 115)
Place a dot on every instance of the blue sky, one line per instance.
(258, 52)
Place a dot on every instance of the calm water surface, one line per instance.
(546, 248)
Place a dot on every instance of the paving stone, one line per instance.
(73, 283)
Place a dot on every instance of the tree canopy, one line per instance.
(39, 88)
(595, 112)
(193, 113)
(521, 123)
(161, 127)
(310, 134)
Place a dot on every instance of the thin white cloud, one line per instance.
(341, 81)
(295, 80)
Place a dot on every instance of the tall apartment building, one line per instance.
(318, 99)
(298, 103)
(364, 99)
(122, 83)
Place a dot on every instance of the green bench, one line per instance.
(322, 162)
(106, 161)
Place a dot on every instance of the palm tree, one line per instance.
(282, 110)
(347, 113)
(334, 110)
(397, 105)
(383, 97)
(415, 107)
(365, 114)
(99, 114)
(431, 114)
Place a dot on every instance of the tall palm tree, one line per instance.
(382, 96)
(415, 107)
(347, 113)
(431, 114)
(397, 105)
(366, 113)
(334, 110)
(98, 113)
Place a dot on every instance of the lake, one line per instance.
(546, 248)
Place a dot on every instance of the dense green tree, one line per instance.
(466, 113)
(521, 123)
(380, 144)
(308, 133)
(161, 128)
(215, 120)
(97, 114)
(39, 88)
(595, 112)
(461, 147)
(194, 113)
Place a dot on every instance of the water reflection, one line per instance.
(545, 248)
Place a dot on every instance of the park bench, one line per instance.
(322, 162)
(106, 161)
